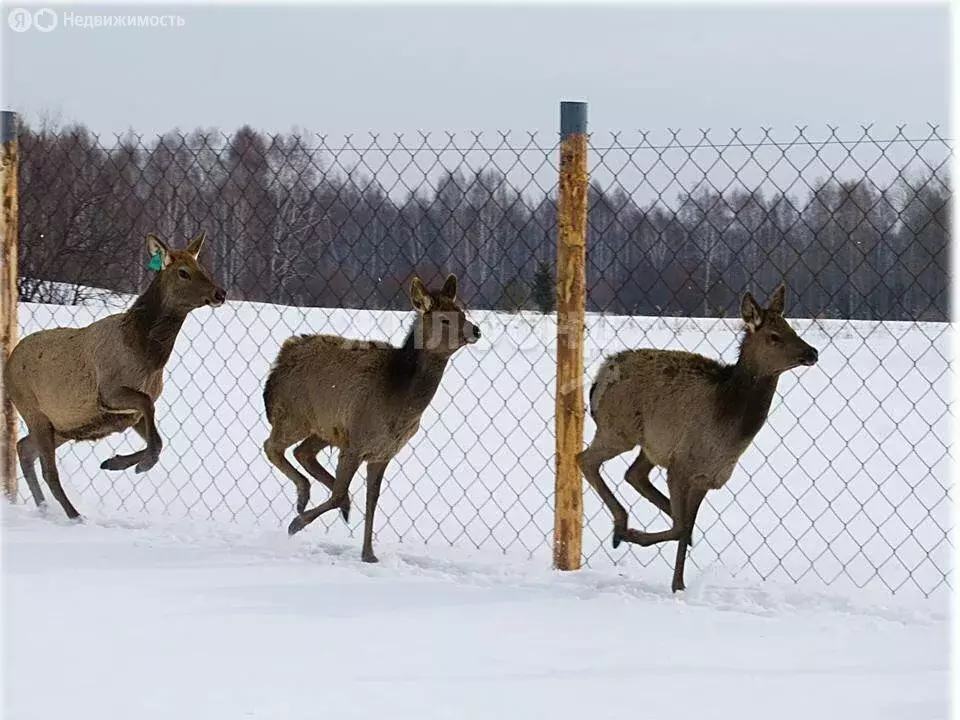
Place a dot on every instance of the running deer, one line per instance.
(363, 397)
(691, 415)
(91, 382)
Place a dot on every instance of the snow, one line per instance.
(180, 594)
(123, 617)
(845, 487)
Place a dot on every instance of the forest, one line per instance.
(287, 222)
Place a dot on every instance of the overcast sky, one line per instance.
(339, 69)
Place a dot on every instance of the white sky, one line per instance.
(355, 69)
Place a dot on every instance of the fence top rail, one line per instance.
(531, 141)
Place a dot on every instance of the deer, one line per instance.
(363, 397)
(84, 384)
(691, 415)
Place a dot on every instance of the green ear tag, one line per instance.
(156, 263)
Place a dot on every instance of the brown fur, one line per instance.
(363, 397)
(690, 414)
(88, 383)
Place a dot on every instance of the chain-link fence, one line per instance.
(846, 484)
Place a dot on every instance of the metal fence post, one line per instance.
(9, 234)
(571, 298)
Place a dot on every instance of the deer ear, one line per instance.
(421, 299)
(751, 312)
(450, 287)
(157, 248)
(196, 244)
(778, 298)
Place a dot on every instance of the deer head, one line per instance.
(184, 284)
(771, 346)
(443, 325)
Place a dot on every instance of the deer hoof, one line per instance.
(345, 512)
(617, 538)
(117, 462)
(296, 525)
(677, 586)
(369, 557)
(302, 504)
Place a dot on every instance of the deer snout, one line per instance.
(472, 333)
(219, 297)
(810, 356)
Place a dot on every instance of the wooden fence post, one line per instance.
(9, 235)
(571, 298)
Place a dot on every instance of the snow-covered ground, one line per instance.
(160, 619)
(181, 595)
(846, 486)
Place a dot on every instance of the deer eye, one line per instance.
(183, 273)
(774, 337)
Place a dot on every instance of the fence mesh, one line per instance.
(846, 484)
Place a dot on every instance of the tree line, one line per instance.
(287, 224)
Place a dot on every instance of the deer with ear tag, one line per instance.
(363, 397)
(690, 414)
(90, 382)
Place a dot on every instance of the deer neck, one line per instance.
(151, 326)
(746, 396)
(413, 373)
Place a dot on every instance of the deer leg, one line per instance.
(374, 478)
(124, 400)
(695, 496)
(678, 503)
(28, 453)
(275, 448)
(590, 461)
(46, 444)
(306, 454)
(122, 462)
(346, 468)
(638, 475)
